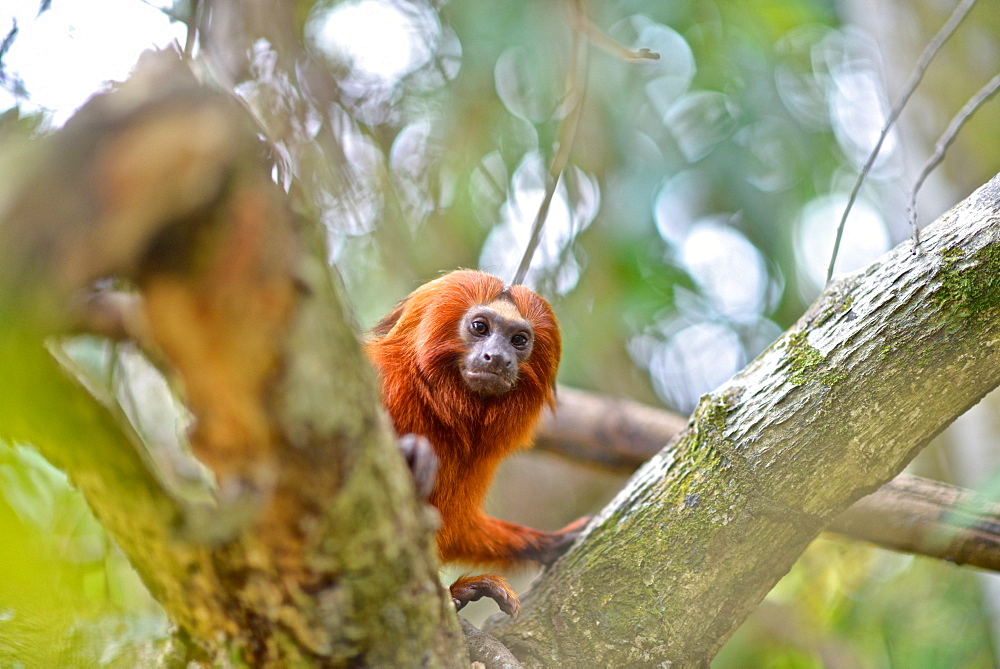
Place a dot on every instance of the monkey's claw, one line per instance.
(470, 588)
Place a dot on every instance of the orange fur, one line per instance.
(416, 350)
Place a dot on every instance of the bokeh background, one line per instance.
(692, 225)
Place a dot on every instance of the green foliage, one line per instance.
(847, 604)
(67, 595)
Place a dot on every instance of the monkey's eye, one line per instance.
(519, 340)
(480, 327)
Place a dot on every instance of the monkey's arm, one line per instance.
(480, 539)
(423, 464)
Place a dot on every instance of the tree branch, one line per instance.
(946, 139)
(880, 364)
(611, 432)
(907, 514)
(926, 517)
(317, 550)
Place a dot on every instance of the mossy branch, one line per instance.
(908, 514)
(880, 364)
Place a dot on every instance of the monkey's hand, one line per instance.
(422, 460)
(470, 588)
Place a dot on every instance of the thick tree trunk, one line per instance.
(884, 360)
(316, 550)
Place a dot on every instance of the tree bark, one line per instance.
(315, 550)
(883, 361)
(908, 514)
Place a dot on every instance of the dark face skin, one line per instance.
(497, 340)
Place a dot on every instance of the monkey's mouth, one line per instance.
(487, 382)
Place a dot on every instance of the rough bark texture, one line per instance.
(316, 551)
(908, 514)
(884, 360)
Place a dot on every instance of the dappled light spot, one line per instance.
(801, 88)
(865, 239)
(60, 73)
(729, 269)
(380, 39)
(353, 210)
(856, 95)
(525, 87)
(772, 155)
(669, 76)
(680, 201)
(413, 162)
(699, 121)
(693, 360)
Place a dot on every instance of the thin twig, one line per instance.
(8, 40)
(575, 88)
(603, 41)
(169, 13)
(944, 141)
(930, 51)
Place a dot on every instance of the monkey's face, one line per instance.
(497, 339)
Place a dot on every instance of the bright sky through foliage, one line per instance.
(70, 51)
(378, 38)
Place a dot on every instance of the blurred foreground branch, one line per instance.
(315, 550)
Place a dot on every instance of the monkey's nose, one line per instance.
(497, 360)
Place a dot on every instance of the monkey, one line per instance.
(466, 365)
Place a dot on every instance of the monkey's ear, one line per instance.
(386, 324)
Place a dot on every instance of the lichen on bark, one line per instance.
(965, 295)
(807, 363)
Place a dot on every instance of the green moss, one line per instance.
(807, 363)
(969, 285)
(704, 443)
(708, 442)
(715, 413)
(710, 415)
